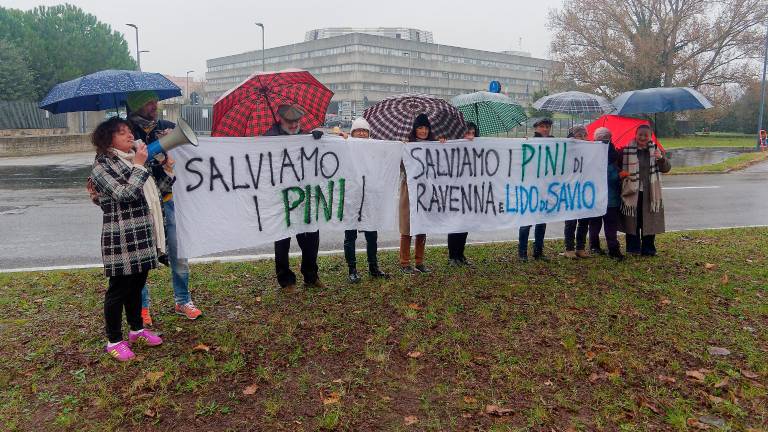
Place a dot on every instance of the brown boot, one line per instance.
(582, 254)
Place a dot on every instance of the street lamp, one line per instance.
(408, 83)
(263, 69)
(138, 53)
(762, 90)
(186, 90)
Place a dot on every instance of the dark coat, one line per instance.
(127, 246)
(653, 223)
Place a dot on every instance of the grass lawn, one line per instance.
(561, 346)
(713, 140)
(731, 164)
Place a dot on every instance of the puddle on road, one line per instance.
(44, 177)
(703, 156)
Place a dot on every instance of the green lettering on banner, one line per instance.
(327, 204)
(340, 212)
(290, 206)
(528, 153)
(308, 205)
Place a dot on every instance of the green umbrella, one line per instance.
(493, 113)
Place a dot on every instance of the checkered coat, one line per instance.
(127, 246)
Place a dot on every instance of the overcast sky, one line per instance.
(182, 35)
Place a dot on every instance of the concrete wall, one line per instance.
(40, 145)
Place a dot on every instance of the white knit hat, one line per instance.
(360, 123)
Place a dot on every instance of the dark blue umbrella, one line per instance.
(104, 90)
(660, 99)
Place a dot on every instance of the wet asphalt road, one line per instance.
(46, 218)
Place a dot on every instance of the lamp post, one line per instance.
(762, 90)
(186, 90)
(138, 53)
(263, 69)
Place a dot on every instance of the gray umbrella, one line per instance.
(574, 102)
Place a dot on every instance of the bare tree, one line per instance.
(612, 46)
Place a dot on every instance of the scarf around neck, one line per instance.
(152, 197)
(630, 190)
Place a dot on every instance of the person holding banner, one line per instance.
(288, 123)
(130, 200)
(421, 131)
(143, 117)
(361, 129)
(576, 229)
(458, 241)
(542, 128)
(610, 221)
(642, 206)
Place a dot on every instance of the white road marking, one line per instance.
(259, 257)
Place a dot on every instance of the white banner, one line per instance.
(500, 183)
(234, 193)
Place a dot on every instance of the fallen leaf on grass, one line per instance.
(258, 299)
(722, 383)
(496, 410)
(692, 422)
(201, 347)
(410, 420)
(154, 377)
(415, 306)
(549, 383)
(149, 412)
(665, 302)
(414, 354)
(748, 374)
(718, 351)
(724, 280)
(338, 381)
(178, 329)
(714, 399)
(590, 355)
(666, 379)
(712, 421)
(650, 405)
(251, 389)
(694, 374)
(332, 398)
(749, 261)
(469, 400)
(709, 266)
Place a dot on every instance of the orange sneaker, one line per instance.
(188, 310)
(145, 317)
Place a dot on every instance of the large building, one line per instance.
(391, 32)
(362, 69)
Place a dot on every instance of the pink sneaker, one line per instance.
(122, 352)
(146, 336)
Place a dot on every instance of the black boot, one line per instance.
(376, 273)
(616, 254)
(353, 276)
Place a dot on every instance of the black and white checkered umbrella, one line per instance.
(393, 117)
(574, 102)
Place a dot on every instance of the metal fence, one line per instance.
(26, 115)
(199, 117)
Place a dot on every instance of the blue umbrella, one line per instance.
(105, 90)
(660, 99)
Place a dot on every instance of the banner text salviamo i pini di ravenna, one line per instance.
(234, 193)
(497, 183)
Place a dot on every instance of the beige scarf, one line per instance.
(630, 187)
(152, 196)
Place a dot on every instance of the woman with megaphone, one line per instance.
(128, 194)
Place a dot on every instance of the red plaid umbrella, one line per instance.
(392, 118)
(251, 108)
(622, 129)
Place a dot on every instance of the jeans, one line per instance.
(309, 243)
(576, 228)
(418, 249)
(371, 246)
(123, 292)
(538, 236)
(179, 266)
(456, 244)
(638, 243)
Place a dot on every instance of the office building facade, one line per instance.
(362, 69)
